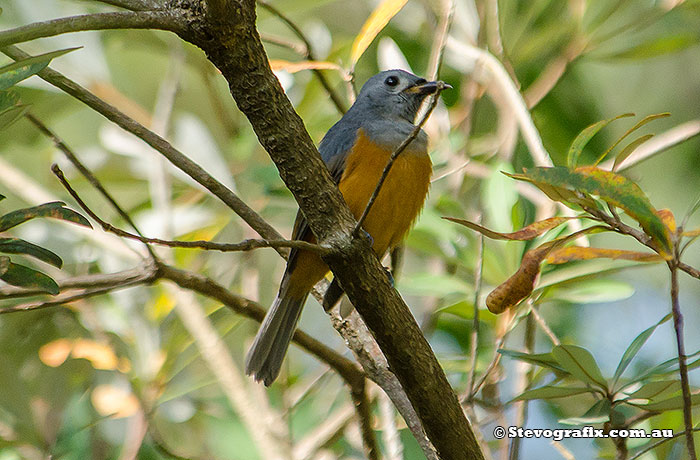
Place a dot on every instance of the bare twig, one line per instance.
(246, 245)
(308, 54)
(544, 326)
(440, 39)
(474, 339)
(682, 365)
(658, 443)
(162, 20)
(396, 153)
(177, 158)
(694, 272)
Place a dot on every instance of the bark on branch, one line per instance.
(229, 37)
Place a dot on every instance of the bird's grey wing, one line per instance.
(334, 149)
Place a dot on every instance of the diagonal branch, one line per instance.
(176, 157)
(162, 20)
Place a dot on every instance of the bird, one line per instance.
(355, 150)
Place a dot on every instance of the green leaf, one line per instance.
(667, 367)
(657, 47)
(653, 390)
(593, 291)
(427, 284)
(639, 124)
(629, 149)
(673, 403)
(8, 99)
(11, 115)
(539, 359)
(585, 136)
(598, 413)
(54, 209)
(17, 71)
(634, 348)
(17, 246)
(19, 275)
(551, 392)
(613, 188)
(579, 362)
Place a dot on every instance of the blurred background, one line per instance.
(81, 381)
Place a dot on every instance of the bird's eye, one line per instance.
(391, 81)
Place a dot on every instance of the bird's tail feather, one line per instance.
(265, 357)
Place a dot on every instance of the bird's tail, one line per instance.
(265, 357)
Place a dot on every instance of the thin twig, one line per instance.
(61, 300)
(545, 327)
(440, 39)
(658, 443)
(245, 245)
(396, 153)
(474, 345)
(176, 157)
(161, 20)
(308, 54)
(694, 272)
(682, 365)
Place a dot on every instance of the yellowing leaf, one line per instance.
(293, 67)
(571, 253)
(524, 234)
(668, 219)
(55, 353)
(374, 24)
(100, 355)
(695, 232)
(109, 400)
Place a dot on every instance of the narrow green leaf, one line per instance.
(585, 136)
(551, 392)
(628, 150)
(19, 275)
(11, 115)
(639, 124)
(18, 246)
(670, 366)
(598, 413)
(8, 99)
(676, 402)
(656, 47)
(54, 209)
(580, 364)
(653, 390)
(592, 291)
(634, 348)
(539, 359)
(14, 73)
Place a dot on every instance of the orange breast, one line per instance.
(396, 207)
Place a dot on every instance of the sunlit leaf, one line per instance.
(579, 362)
(14, 73)
(634, 348)
(551, 392)
(293, 67)
(54, 209)
(526, 233)
(379, 18)
(19, 275)
(110, 400)
(613, 188)
(55, 353)
(692, 233)
(572, 253)
(18, 246)
(585, 136)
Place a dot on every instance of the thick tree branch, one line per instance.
(163, 20)
(238, 52)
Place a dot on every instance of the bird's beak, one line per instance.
(427, 87)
